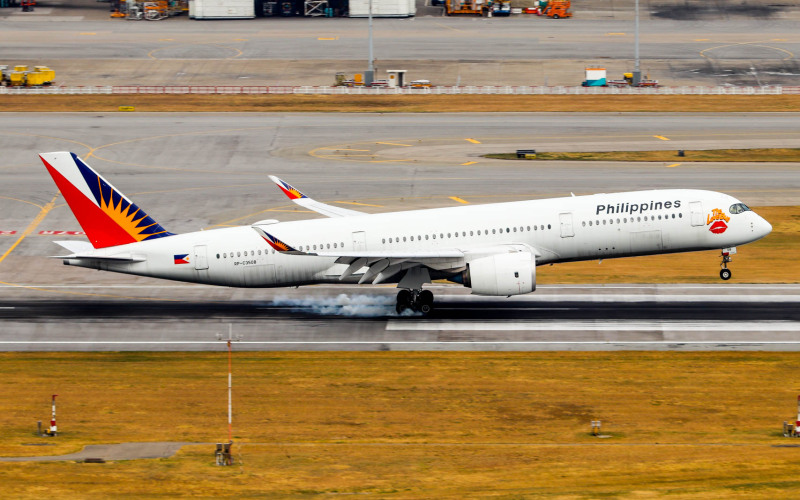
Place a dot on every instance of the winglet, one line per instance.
(290, 191)
(304, 201)
(277, 244)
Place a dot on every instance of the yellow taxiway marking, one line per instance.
(327, 38)
(88, 33)
(394, 144)
(240, 39)
(348, 156)
(470, 163)
(346, 149)
(359, 204)
(778, 40)
(673, 165)
(758, 43)
(166, 39)
(460, 200)
(701, 39)
(473, 141)
(614, 34)
(661, 137)
(28, 230)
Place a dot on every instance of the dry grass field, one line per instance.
(396, 104)
(409, 425)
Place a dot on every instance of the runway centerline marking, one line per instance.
(595, 326)
(32, 226)
(460, 200)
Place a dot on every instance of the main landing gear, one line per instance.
(414, 300)
(725, 273)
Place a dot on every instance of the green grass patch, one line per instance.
(669, 155)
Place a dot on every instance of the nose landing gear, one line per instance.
(725, 273)
(414, 300)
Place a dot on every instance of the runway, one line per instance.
(327, 318)
(195, 171)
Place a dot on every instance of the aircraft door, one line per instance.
(565, 220)
(200, 257)
(696, 208)
(359, 241)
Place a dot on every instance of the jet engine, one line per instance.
(502, 274)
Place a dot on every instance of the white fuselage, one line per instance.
(599, 226)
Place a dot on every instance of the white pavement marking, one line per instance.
(410, 342)
(594, 326)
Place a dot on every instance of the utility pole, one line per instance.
(369, 75)
(637, 73)
(224, 453)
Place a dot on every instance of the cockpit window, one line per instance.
(738, 208)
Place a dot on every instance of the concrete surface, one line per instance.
(109, 452)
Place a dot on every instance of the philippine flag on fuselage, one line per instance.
(182, 258)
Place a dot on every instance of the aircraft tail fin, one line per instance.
(107, 216)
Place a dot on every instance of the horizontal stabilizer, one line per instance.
(76, 246)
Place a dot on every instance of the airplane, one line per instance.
(493, 249)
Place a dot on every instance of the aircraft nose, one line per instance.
(763, 227)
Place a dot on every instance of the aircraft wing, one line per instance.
(381, 265)
(304, 201)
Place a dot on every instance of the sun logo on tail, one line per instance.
(126, 214)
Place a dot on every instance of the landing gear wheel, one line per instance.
(404, 301)
(416, 300)
(725, 273)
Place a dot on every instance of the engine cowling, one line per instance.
(502, 274)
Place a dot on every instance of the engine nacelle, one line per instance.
(502, 274)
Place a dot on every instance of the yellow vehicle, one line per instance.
(20, 76)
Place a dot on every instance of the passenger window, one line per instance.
(404, 238)
(549, 226)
